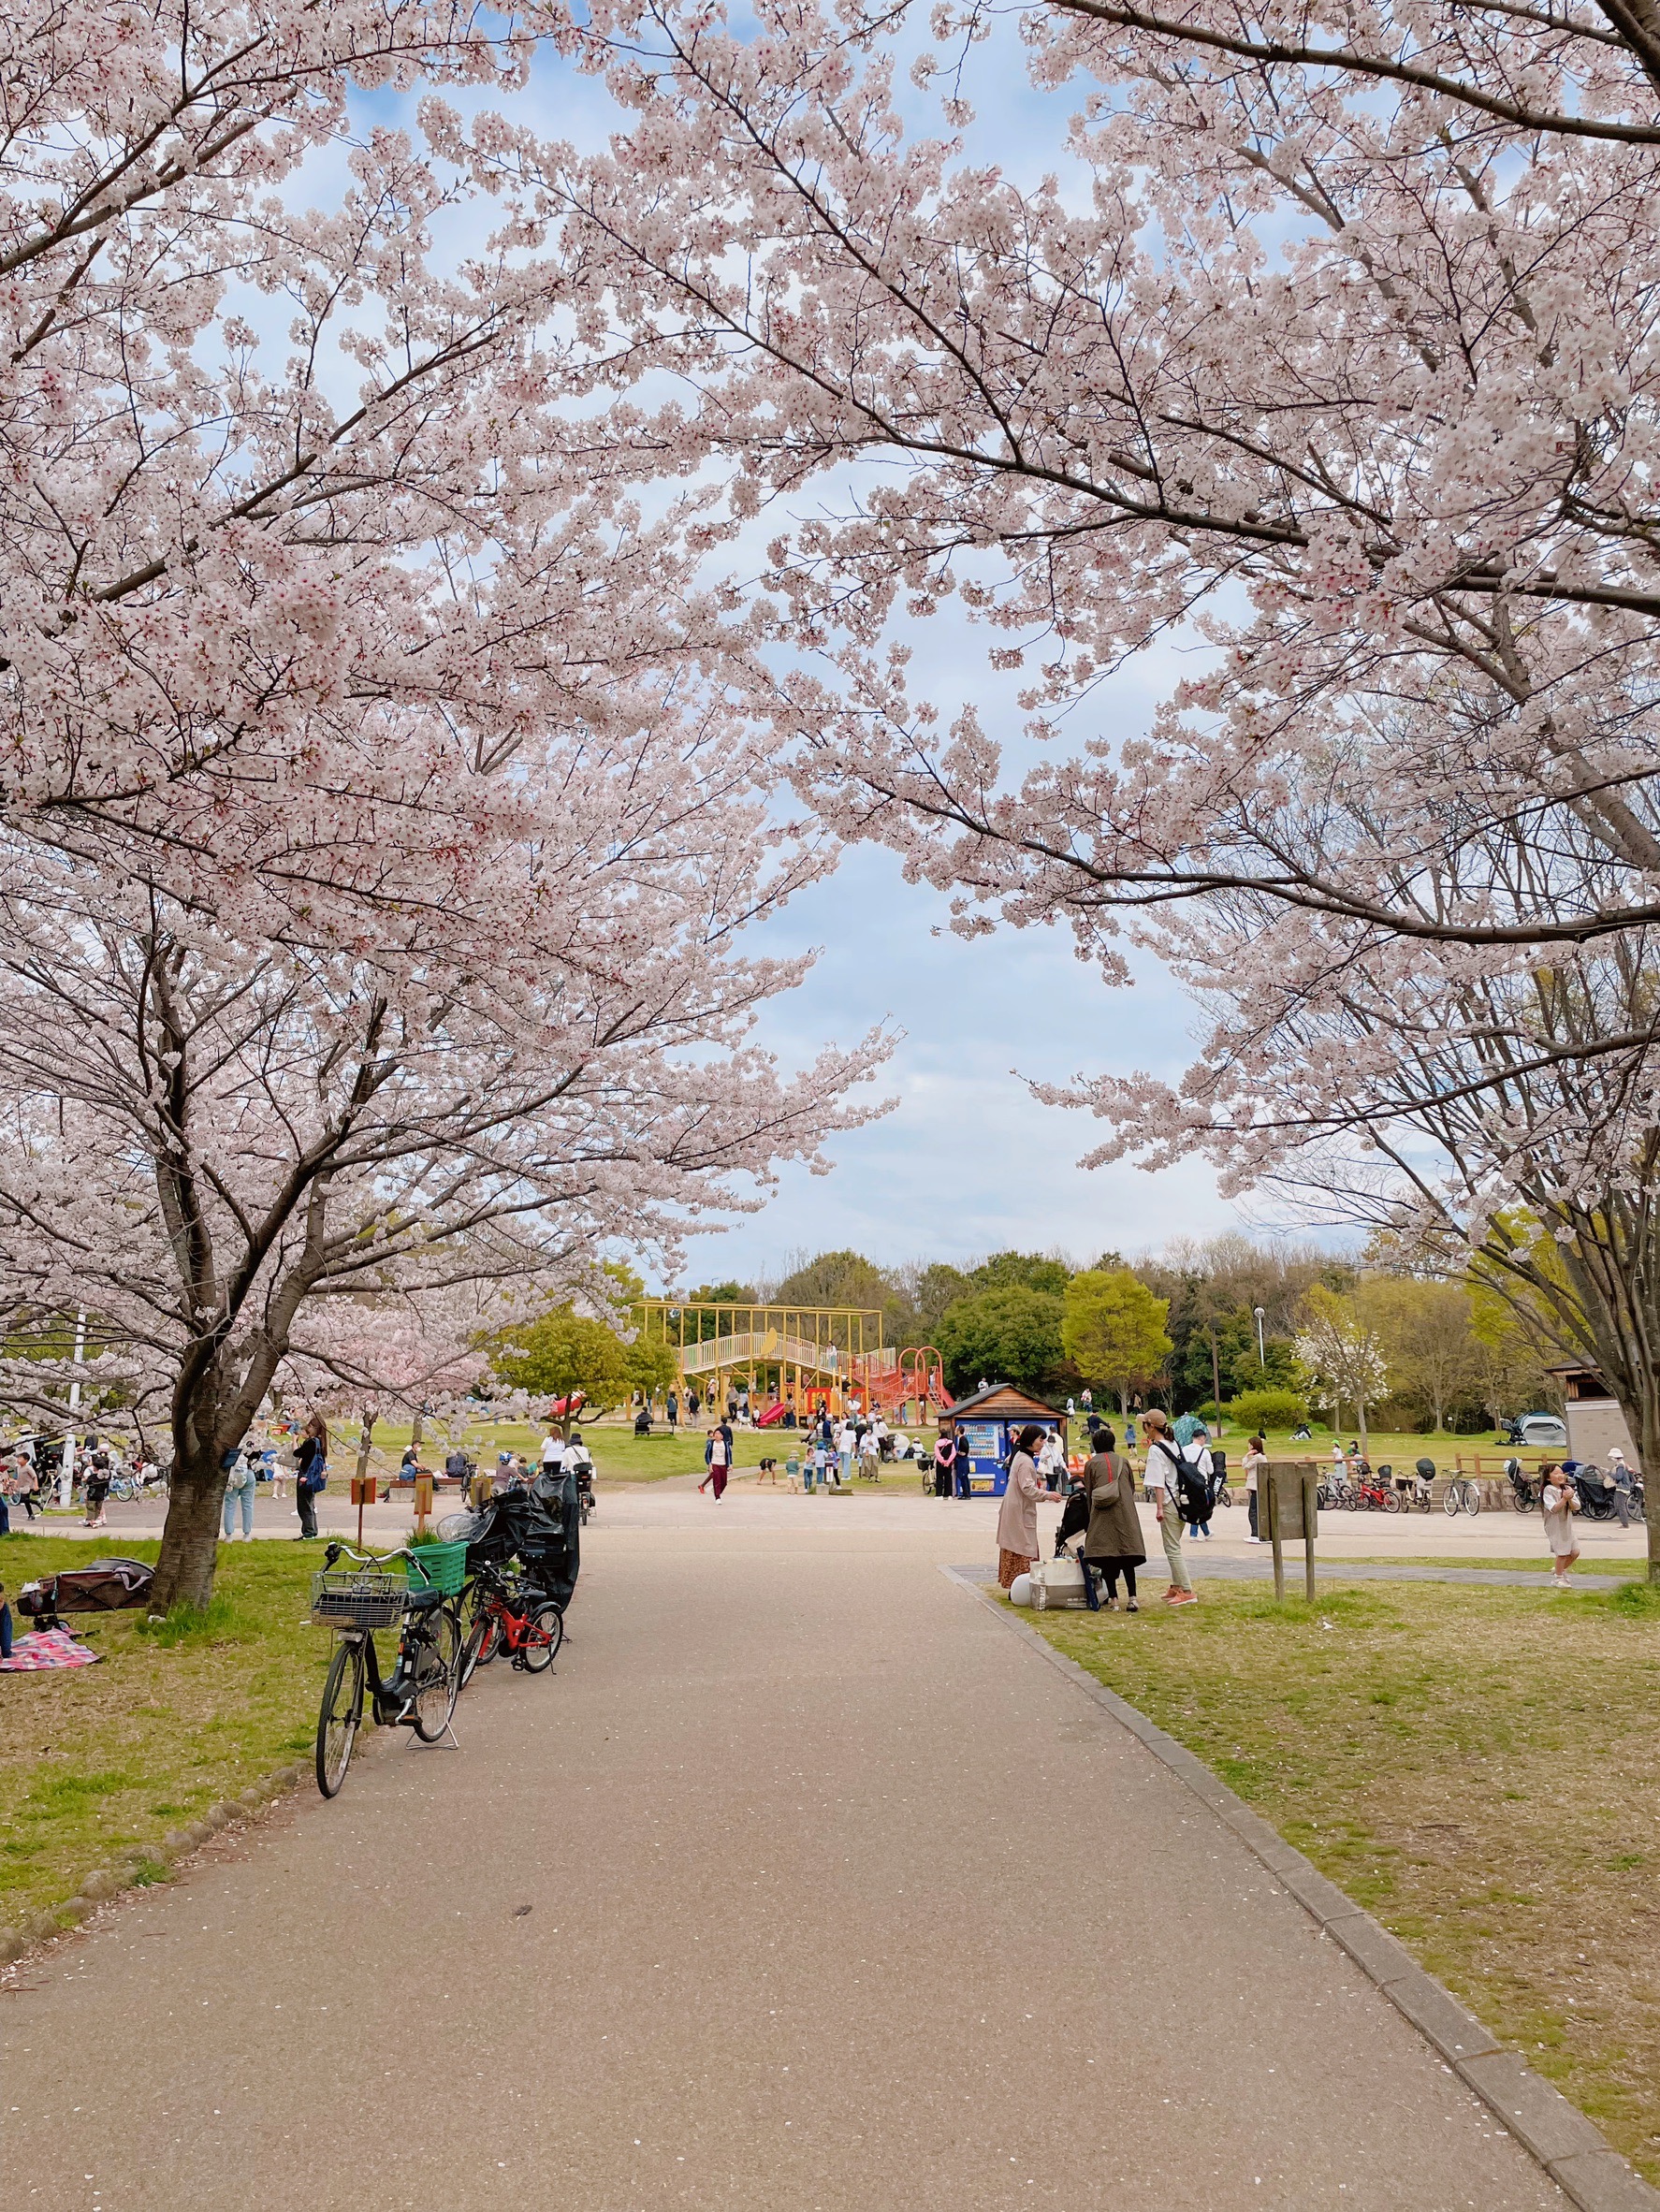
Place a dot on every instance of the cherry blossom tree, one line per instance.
(210, 1147)
(306, 522)
(1341, 1358)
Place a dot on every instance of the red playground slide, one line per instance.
(773, 1413)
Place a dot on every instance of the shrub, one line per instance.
(1262, 1410)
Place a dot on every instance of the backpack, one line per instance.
(1193, 1490)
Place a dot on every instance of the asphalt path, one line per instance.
(801, 1884)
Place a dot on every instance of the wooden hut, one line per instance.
(993, 1418)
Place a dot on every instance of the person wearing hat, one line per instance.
(1160, 1473)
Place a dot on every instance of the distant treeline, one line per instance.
(1181, 1327)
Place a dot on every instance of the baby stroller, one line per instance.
(1074, 1520)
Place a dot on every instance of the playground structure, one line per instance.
(795, 1359)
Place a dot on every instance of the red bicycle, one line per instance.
(512, 1616)
(1374, 1495)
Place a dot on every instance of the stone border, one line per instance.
(127, 1871)
(1575, 2154)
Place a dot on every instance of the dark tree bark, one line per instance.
(190, 1539)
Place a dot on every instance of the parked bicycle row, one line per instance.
(1602, 1494)
(496, 1584)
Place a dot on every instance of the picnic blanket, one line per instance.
(40, 1648)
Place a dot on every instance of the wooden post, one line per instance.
(365, 1434)
(363, 1493)
(1286, 1517)
(423, 1502)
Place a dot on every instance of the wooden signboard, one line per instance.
(1286, 1490)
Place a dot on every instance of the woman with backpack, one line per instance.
(1164, 1471)
(311, 1474)
(1113, 1543)
(1193, 1441)
(1017, 1516)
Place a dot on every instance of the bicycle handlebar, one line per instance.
(338, 1550)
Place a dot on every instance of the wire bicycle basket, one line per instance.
(357, 1598)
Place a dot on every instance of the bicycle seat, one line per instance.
(422, 1601)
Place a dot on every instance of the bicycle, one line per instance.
(1464, 1496)
(424, 1685)
(530, 1637)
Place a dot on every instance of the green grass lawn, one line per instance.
(98, 1760)
(1479, 1768)
(1541, 1562)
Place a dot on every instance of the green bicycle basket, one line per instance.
(438, 1567)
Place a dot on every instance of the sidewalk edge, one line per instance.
(1583, 2164)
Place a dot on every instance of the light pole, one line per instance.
(67, 1465)
(1261, 1347)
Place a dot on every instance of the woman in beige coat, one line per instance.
(1017, 1516)
(1112, 1541)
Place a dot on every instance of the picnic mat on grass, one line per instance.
(40, 1648)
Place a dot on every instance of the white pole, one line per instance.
(1261, 1347)
(66, 1468)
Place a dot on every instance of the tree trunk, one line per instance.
(416, 1430)
(1439, 1423)
(1216, 1379)
(190, 1536)
(1365, 1441)
(1647, 1432)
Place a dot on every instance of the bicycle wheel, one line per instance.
(481, 1643)
(1390, 1502)
(338, 1717)
(1472, 1500)
(543, 1637)
(438, 1676)
(1450, 1500)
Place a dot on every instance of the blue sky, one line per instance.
(967, 1162)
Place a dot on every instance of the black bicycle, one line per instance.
(421, 1691)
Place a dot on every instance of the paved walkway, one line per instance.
(1375, 1535)
(840, 1898)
